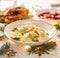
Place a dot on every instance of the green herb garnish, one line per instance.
(1, 29)
(14, 29)
(35, 40)
(24, 33)
(16, 38)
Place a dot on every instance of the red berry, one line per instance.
(54, 43)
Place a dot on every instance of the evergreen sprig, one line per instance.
(41, 49)
(5, 48)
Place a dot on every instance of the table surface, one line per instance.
(29, 3)
(22, 54)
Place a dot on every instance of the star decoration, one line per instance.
(11, 53)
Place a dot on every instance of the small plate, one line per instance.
(39, 11)
(46, 26)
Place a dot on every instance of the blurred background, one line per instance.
(29, 3)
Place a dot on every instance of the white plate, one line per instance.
(46, 26)
(47, 10)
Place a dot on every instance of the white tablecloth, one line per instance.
(21, 54)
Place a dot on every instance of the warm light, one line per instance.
(54, 23)
(25, 48)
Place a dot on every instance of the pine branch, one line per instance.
(5, 48)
